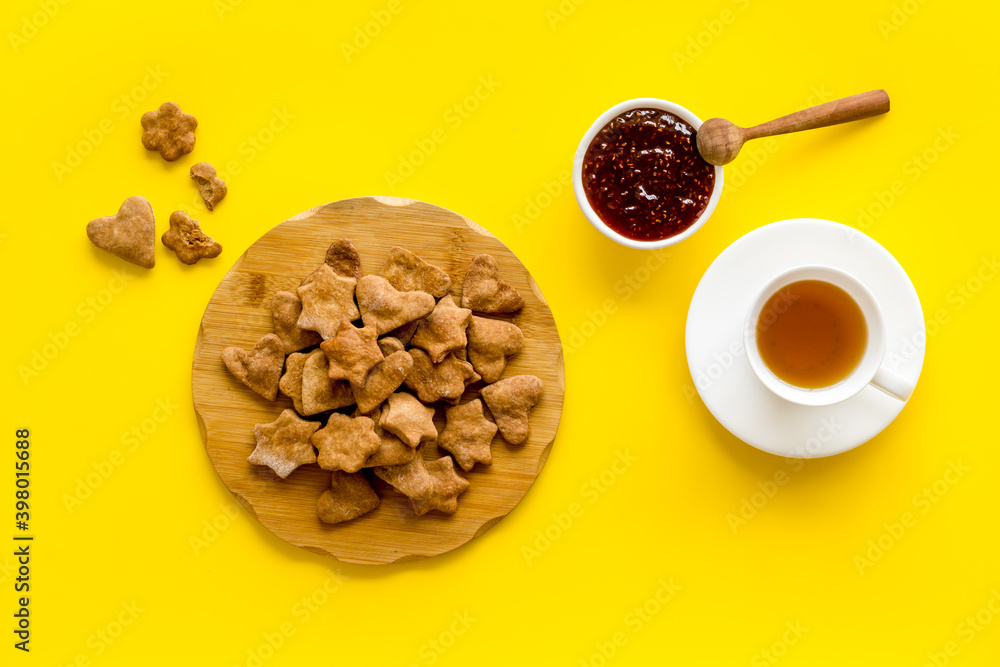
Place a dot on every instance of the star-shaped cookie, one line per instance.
(446, 486)
(327, 299)
(352, 352)
(442, 331)
(408, 419)
(284, 444)
(467, 434)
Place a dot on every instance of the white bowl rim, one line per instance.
(581, 151)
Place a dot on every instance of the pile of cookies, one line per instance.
(131, 233)
(366, 360)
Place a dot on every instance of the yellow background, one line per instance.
(133, 542)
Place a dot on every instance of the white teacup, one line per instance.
(871, 369)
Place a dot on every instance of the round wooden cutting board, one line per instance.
(239, 313)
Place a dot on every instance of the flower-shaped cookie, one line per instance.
(187, 240)
(168, 130)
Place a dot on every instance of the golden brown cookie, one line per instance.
(406, 272)
(350, 495)
(467, 434)
(408, 419)
(319, 393)
(446, 486)
(352, 353)
(285, 310)
(383, 379)
(259, 368)
(404, 333)
(388, 345)
(391, 450)
(168, 130)
(290, 383)
(327, 299)
(284, 444)
(410, 478)
(491, 343)
(510, 400)
(445, 381)
(211, 188)
(345, 442)
(388, 307)
(485, 291)
(343, 257)
(130, 233)
(187, 240)
(443, 330)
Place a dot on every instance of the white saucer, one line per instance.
(719, 366)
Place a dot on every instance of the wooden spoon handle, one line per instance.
(855, 107)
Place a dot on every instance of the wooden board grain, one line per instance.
(239, 313)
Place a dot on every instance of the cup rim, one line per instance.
(581, 195)
(862, 374)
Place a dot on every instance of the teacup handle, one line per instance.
(892, 383)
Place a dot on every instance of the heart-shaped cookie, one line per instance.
(485, 291)
(259, 368)
(388, 307)
(130, 233)
(491, 342)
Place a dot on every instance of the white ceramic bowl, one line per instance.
(581, 151)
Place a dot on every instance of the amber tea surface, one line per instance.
(811, 334)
